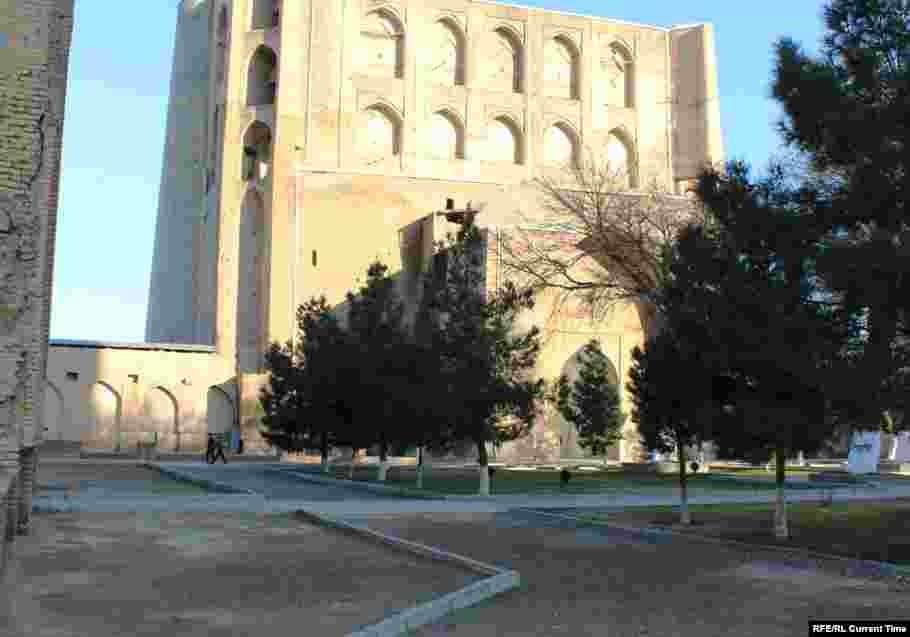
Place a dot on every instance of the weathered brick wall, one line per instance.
(34, 50)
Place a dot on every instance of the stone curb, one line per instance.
(853, 567)
(359, 484)
(498, 580)
(206, 483)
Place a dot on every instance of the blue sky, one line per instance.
(117, 105)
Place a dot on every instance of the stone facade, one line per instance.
(306, 139)
(34, 51)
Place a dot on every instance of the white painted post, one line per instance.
(484, 473)
(900, 451)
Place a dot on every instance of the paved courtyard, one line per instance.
(143, 554)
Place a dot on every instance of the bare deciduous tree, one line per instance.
(597, 241)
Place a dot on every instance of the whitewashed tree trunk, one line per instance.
(351, 468)
(801, 459)
(685, 517)
(484, 480)
(781, 525)
(324, 463)
(383, 471)
(420, 467)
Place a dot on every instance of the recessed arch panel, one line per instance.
(446, 136)
(506, 61)
(569, 447)
(560, 145)
(55, 427)
(619, 70)
(621, 157)
(262, 77)
(257, 151)
(561, 67)
(378, 137)
(251, 284)
(447, 54)
(160, 412)
(504, 141)
(104, 407)
(381, 50)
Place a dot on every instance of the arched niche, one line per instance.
(560, 146)
(257, 152)
(504, 141)
(446, 136)
(381, 48)
(505, 63)
(251, 284)
(621, 157)
(53, 413)
(447, 56)
(569, 447)
(104, 406)
(219, 410)
(618, 67)
(262, 78)
(379, 134)
(562, 68)
(161, 417)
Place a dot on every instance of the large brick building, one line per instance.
(34, 50)
(307, 138)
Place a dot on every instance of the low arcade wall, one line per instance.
(111, 396)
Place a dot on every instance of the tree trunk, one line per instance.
(324, 451)
(781, 527)
(420, 467)
(383, 462)
(351, 468)
(484, 469)
(684, 516)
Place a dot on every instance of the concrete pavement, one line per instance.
(274, 488)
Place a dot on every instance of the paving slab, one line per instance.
(594, 581)
(109, 575)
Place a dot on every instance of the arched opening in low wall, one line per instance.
(52, 412)
(162, 417)
(220, 411)
(105, 407)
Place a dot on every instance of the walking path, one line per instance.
(273, 488)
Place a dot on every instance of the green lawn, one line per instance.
(547, 482)
(863, 530)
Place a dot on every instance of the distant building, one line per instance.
(306, 139)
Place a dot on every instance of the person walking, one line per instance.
(219, 451)
(210, 449)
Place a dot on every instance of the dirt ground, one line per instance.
(109, 575)
(76, 478)
(580, 581)
(870, 530)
